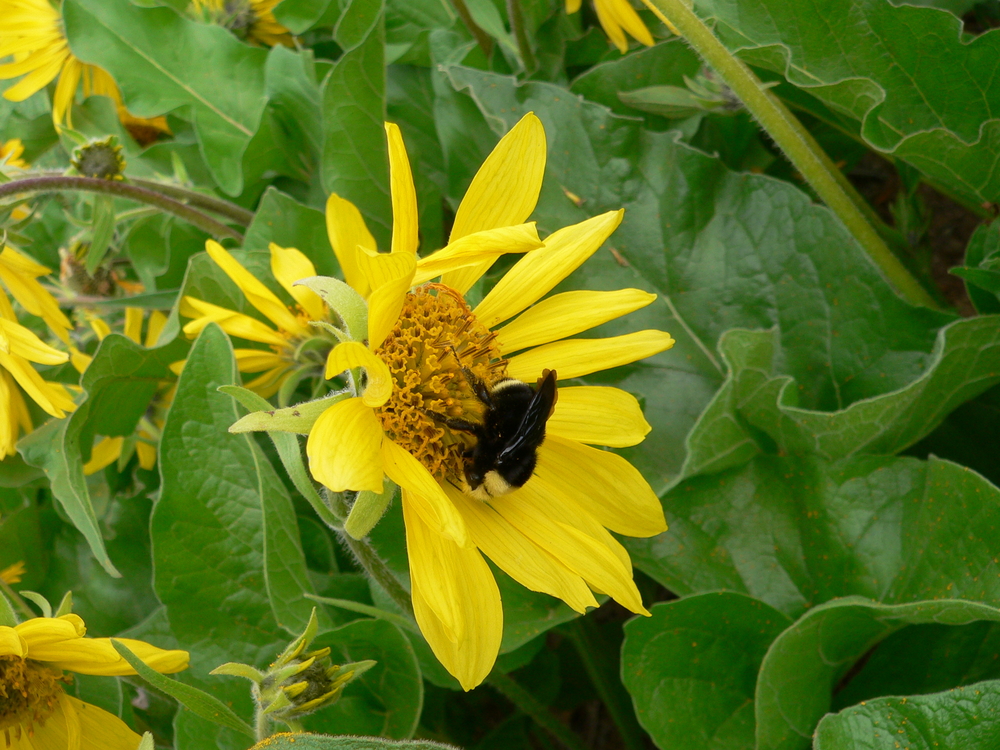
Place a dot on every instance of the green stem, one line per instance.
(55, 183)
(482, 38)
(603, 673)
(16, 600)
(534, 708)
(368, 558)
(523, 42)
(262, 725)
(787, 132)
(210, 203)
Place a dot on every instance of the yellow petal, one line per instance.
(621, 14)
(256, 293)
(574, 358)
(234, 323)
(544, 514)
(609, 22)
(456, 601)
(100, 327)
(405, 217)
(538, 272)
(270, 382)
(503, 192)
(604, 484)
(347, 231)
(426, 496)
(133, 324)
(52, 397)
(390, 276)
(147, 455)
(24, 343)
(288, 266)
(351, 354)
(257, 360)
(517, 556)
(473, 249)
(107, 451)
(598, 415)
(157, 322)
(568, 314)
(344, 447)
(572, 6)
(11, 644)
(93, 727)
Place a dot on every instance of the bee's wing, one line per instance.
(531, 431)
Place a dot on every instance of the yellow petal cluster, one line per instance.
(252, 19)
(32, 32)
(10, 154)
(618, 17)
(551, 535)
(41, 715)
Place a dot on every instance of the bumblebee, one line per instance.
(508, 438)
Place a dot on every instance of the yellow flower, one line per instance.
(252, 20)
(32, 32)
(13, 573)
(109, 449)
(616, 18)
(36, 713)
(288, 340)
(551, 534)
(19, 347)
(10, 154)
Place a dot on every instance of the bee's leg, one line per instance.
(478, 386)
(454, 423)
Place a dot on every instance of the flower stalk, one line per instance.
(55, 183)
(802, 150)
(516, 16)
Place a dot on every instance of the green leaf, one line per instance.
(921, 91)
(205, 705)
(388, 698)
(326, 742)
(101, 230)
(120, 382)
(159, 60)
(355, 162)
(299, 16)
(294, 109)
(964, 717)
(286, 222)
(691, 668)
(806, 660)
(980, 271)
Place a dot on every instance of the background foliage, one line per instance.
(827, 454)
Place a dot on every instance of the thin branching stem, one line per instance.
(482, 38)
(516, 16)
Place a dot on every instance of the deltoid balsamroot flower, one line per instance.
(35, 711)
(425, 348)
(300, 681)
(252, 20)
(19, 347)
(109, 449)
(616, 18)
(10, 154)
(296, 347)
(32, 32)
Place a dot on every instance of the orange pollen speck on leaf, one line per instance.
(29, 692)
(436, 336)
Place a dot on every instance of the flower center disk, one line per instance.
(437, 336)
(29, 692)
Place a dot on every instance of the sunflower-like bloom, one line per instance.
(252, 20)
(423, 344)
(618, 17)
(109, 449)
(35, 711)
(295, 345)
(19, 347)
(32, 32)
(10, 154)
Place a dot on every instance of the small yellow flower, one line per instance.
(10, 154)
(550, 535)
(35, 711)
(618, 17)
(288, 341)
(108, 449)
(19, 347)
(252, 20)
(32, 32)
(13, 573)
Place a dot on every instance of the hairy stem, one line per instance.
(193, 198)
(788, 134)
(482, 38)
(56, 183)
(516, 16)
(534, 708)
